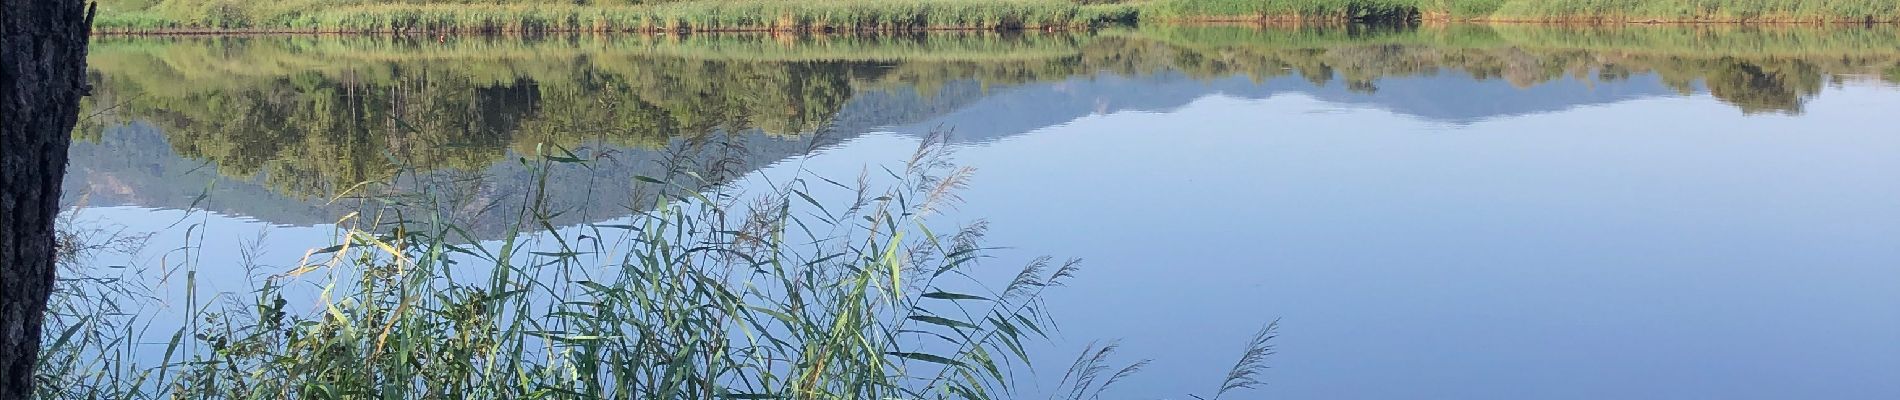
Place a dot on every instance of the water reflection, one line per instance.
(285, 124)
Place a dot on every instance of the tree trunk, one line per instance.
(42, 77)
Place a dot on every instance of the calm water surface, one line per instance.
(1451, 212)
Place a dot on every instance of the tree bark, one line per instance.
(42, 77)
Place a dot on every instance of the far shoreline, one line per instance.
(219, 17)
(1263, 23)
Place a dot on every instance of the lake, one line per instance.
(1459, 211)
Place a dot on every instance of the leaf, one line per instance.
(937, 335)
(942, 295)
(596, 287)
(989, 364)
(896, 266)
(459, 249)
(1031, 325)
(943, 321)
(787, 318)
(331, 249)
(926, 358)
(814, 203)
(68, 334)
(583, 338)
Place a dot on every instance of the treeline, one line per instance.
(435, 16)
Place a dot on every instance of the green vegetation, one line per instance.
(702, 295)
(906, 15)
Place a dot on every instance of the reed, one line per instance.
(702, 293)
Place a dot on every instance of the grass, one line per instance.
(701, 293)
(136, 21)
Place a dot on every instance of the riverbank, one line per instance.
(360, 16)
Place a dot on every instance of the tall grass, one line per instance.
(136, 21)
(702, 293)
(1278, 10)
